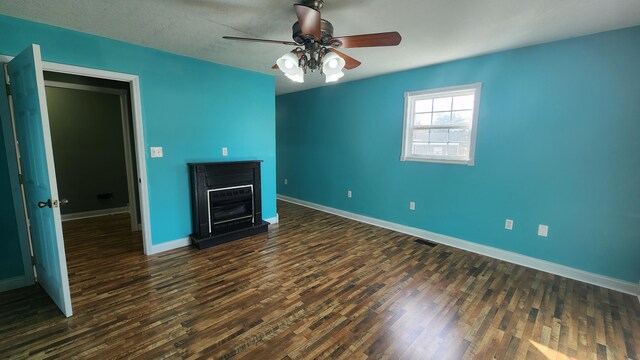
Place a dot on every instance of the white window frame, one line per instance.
(409, 111)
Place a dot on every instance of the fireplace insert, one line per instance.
(226, 202)
(230, 207)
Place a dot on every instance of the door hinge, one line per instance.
(8, 87)
(33, 260)
(21, 179)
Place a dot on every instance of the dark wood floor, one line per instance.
(315, 286)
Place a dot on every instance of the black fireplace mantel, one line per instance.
(226, 202)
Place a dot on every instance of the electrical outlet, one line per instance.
(412, 205)
(543, 230)
(225, 151)
(508, 224)
(286, 181)
(156, 151)
(349, 193)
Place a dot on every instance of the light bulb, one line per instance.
(333, 63)
(288, 64)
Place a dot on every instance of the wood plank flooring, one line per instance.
(314, 286)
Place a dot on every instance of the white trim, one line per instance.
(515, 258)
(16, 189)
(94, 213)
(169, 245)
(273, 220)
(131, 179)
(143, 192)
(407, 129)
(436, 160)
(15, 282)
(136, 102)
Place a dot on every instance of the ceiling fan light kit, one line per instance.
(316, 45)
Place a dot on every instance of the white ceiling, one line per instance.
(433, 31)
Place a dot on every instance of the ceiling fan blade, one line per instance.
(260, 40)
(369, 40)
(275, 67)
(350, 63)
(309, 20)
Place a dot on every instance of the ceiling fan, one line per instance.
(316, 45)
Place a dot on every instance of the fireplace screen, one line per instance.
(230, 208)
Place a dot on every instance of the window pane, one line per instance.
(439, 135)
(463, 102)
(437, 149)
(459, 134)
(423, 106)
(420, 149)
(452, 149)
(421, 135)
(422, 119)
(442, 118)
(458, 149)
(460, 117)
(442, 104)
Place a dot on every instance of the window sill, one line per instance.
(469, 162)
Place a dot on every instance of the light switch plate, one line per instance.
(412, 205)
(286, 181)
(349, 193)
(225, 151)
(543, 230)
(156, 151)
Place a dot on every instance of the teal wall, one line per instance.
(190, 107)
(557, 144)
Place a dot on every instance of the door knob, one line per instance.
(64, 201)
(42, 204)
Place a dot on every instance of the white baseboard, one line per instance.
(94, 213)
(14, 283)
(515, 258)
(273, 220)
(169, 245)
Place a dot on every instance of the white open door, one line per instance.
(31, 121)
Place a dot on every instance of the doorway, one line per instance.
(91, 129)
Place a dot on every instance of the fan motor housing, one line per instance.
(326, 33)
(314, 4)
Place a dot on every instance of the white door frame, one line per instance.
(138, 130)
(124, 115)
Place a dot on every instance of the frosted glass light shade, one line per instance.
(333, 77)
(288, 64)
(297, 77)
(332, 66)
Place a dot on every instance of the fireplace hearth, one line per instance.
(226, 202)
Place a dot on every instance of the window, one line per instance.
(440, 124)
